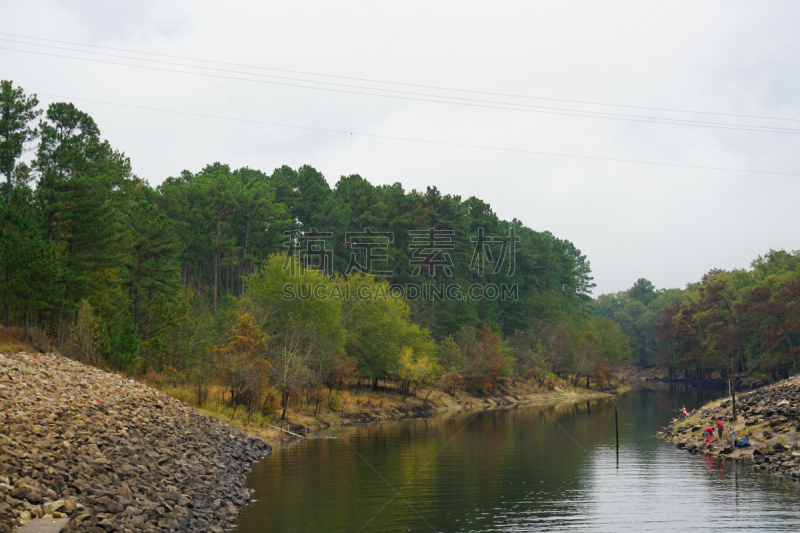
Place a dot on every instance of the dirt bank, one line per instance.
(361, 406)
(111, 454)
(768, 416)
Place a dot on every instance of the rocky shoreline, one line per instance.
(769, 416)
(111, 454)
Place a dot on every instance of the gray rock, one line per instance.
(121, 448)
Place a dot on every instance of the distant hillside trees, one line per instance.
(740, 322)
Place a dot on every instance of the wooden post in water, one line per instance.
(616, 428)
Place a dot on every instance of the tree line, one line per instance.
(191, 275)
(743, 322)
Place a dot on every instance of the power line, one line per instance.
(424, 9)
(149, 54)
(257, 125)
(404, 84)
(441, 99)
(429, 141)
(408, 95)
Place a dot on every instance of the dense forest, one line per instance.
(190, 276)
(730, 323)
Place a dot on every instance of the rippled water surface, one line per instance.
(516, 469)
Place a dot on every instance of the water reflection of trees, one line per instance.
(460, 470)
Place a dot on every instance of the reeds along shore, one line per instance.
(768, 416)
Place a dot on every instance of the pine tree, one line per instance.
(80, 191)
(29, 265)
(151, 265)
(16, 113)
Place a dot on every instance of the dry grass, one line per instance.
(356, 401)
(12, 347)
(12, 340)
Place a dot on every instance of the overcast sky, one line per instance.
(598, 121)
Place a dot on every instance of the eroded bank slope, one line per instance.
(390, 405)
(111, 454)
(769, 416)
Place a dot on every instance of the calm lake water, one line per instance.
(516, 469)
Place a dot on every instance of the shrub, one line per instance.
(538, 375)
(484, 385)
(179, 393)
(316, 396)
(201, 390)
(342, 371)
(451, 382)
(413, 370)
(85, 336)
(270, 404)
(335, 402)
(200, 380)
(602, 376)
(153, 378)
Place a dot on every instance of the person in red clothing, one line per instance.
(720, 427)
(708, 432)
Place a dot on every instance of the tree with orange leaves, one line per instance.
(241, 364)
(490, 360)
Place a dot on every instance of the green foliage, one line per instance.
(122, 343)
(227, 222)
(729, 323)
(17, 111)
(82, 182)
(151, 249)
(378, 327)
(86, 335)
(636, 311)
(480, 357)
(29, 265)
(307, 333)
(413, 371)
(143, 278)
(335, 402)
